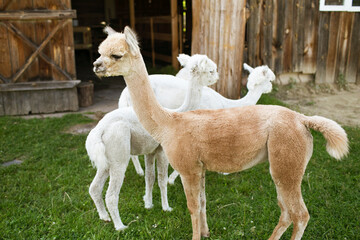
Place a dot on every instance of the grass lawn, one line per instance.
(46, 197)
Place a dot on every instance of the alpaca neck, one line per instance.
(192, 98)
(250, 98)
(149, 112)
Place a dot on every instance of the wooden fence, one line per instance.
(288, 36)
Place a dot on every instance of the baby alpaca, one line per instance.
(226, 140)
(120, 134)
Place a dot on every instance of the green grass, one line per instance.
(46, 197)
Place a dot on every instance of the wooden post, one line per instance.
(219, 32)
(132, 13)
(174, 34)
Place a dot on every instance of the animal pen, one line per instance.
(294, 38)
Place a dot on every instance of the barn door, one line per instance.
(219, 32)
(36, 40)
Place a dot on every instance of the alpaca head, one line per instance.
(200, 67)
(260, 78)
(116, 53)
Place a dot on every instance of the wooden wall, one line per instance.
(294, 36)
(36, 40)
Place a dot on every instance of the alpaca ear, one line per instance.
(183, 59)
(131, 40)
(108, 30)
(248, 68)
(265, 70)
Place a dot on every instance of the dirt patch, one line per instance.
(328, 101)
(86, 127)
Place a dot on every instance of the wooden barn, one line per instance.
(46, 45)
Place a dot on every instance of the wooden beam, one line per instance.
(37, 15)
(174, 34)
(132, 13)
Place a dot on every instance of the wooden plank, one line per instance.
(352, 72)
(288, 39)
(279, 38)
(27, 28)
(10, 106)
(331, 60)
(253, 32)
(267, 35)
(45, 69)
(69, 53)
(310, 25)
(5, 59)
(322, 52)
(298, 35)
(343, 43)
(37, 15)
(37, 86)
(174, 34)
(195, 44)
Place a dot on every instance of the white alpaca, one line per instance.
(225, 140)
(120, 134)
(170, 94)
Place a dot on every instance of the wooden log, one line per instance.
(85, 94)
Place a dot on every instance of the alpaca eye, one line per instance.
(116, 57)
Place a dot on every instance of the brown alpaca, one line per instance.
(226, 140)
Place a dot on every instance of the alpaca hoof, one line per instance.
(167, 209)
(121, 228)
(171, 182)
(106, 219)
(148, 205)
(141, 173)
(207, 234)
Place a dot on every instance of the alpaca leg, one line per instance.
(172, 177)
(192, 188)
(117, 175)
(204, 226)
(162, 168)
(284, 221)
(95, 190)
(137, 165)
(149, 179)
(293, 209)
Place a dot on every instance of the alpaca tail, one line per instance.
(96, 150)
(337, 142)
